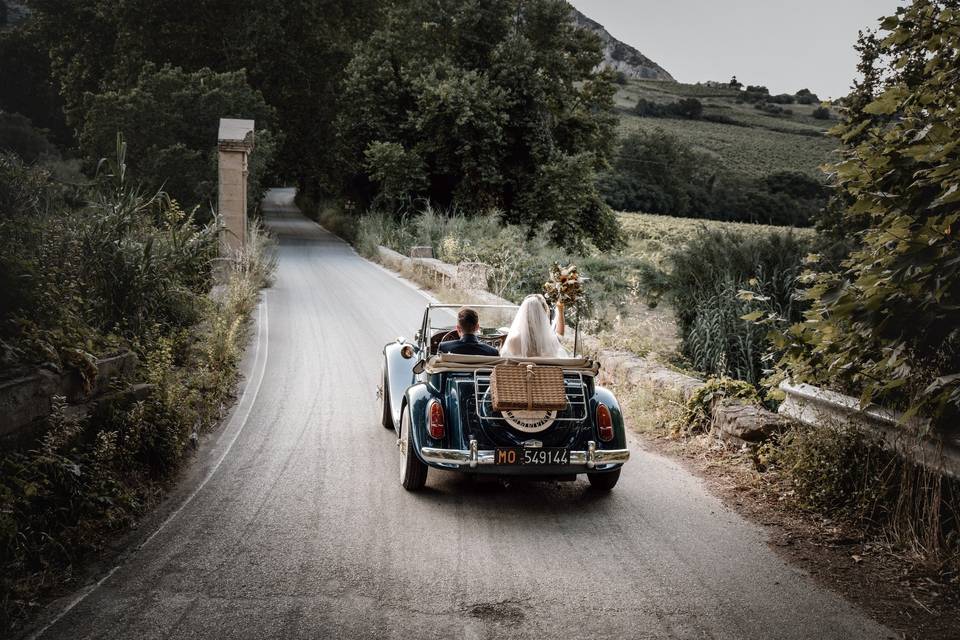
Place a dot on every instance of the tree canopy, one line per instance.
(292, 52)
(172, 117)
(481, 105)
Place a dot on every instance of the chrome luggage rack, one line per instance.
(574, 388)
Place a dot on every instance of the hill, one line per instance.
(620, 56)
(747, 140)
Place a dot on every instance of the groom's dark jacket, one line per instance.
(468, 345)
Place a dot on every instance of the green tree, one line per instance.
(170, 119)
(499, 102)
(886, 323)
(652, 172)
(293, 52)
(26, 85)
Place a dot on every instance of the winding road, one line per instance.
(291, 522)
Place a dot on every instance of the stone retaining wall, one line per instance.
(27, 399)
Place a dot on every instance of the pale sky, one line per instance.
(784, 45)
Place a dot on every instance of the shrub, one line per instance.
(106, 268)
(782, 98)
(755, 94)
(703, 281)
(835, 469)
(17, 135)
(655, 172)
(696, 416)
(805, 96)
(652, 172)
(821, 113)
(689, 108)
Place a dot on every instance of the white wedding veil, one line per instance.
(531, 335)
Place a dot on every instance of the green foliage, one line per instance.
(482, 105)
(839, 471)
(835, 469)
(703, 281)
(656, 172)
(697, 414)
(755, 94)
(94, 46)
(652, 172)
(25, 85)
(821, 113)
(885, 324)
(521, 258)
(89, 271)
(396, 171)
(124, 265)
(805, 96)
(17, 135)
(689, 108)
(170, 119)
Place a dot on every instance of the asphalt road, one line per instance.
(292, 522)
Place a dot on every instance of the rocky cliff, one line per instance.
(620, 56)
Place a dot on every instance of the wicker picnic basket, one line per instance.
(527, 387)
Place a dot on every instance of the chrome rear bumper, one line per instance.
(591, 458)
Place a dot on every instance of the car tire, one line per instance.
(604, 481)
(386, 417)
(413, 472)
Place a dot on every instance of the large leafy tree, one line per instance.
(482, 104)
(293, 52)
(887, 322)
(169, 118)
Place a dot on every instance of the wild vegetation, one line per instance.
(170, 117)
(493, 105)
(92, 270)
(655, 172)
(885, 322)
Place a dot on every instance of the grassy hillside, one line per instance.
(753, 143)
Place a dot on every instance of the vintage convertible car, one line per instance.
(441, 408)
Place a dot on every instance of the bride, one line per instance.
(531, 335)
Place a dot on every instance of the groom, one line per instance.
(468, 325)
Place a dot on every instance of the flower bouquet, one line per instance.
(563, 288)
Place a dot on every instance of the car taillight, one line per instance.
(435, 417)
(604, 423)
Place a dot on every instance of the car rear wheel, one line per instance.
(604, 481)
(386, 419)
(413, 472)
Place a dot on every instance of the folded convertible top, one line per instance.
(455, 362)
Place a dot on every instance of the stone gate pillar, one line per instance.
(235, 142)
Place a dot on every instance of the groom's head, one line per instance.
(468, 322)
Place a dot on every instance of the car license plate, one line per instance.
(530, 456)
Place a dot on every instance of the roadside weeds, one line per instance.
(84, 483)
(883, 579)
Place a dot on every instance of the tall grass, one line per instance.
(703, 280)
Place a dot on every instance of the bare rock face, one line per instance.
(620, 56)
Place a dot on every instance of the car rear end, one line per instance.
(587, 436)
